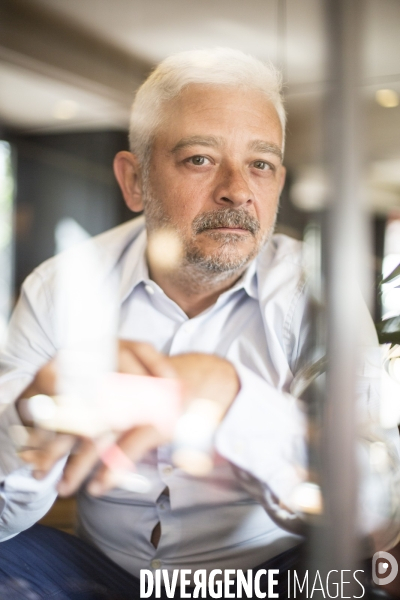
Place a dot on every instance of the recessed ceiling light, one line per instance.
(387, 98)
(65, 109)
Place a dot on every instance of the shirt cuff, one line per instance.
(264, 433)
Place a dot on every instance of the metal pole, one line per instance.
(346, 258)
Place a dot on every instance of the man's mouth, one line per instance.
(228, 229)
(233, 221)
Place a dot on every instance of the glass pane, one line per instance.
(6, 235)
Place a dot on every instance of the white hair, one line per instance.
(218, 66)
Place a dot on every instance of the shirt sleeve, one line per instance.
(264, 436)
(264, 432)
(23, 499)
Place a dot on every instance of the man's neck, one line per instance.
(193, 290)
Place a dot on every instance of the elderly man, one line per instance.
(228, 318)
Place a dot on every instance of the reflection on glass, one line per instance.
(6, 234)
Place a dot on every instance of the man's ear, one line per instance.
(128, 174)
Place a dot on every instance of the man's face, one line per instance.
(215, 174)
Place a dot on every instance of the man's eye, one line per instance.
(198, 160)
(261, 164)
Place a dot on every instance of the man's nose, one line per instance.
(232, 188)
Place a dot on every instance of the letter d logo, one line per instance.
(380, 568)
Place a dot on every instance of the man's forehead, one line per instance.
(210, 115)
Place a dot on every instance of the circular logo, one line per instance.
(382, 563)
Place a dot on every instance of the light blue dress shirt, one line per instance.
(218, 521)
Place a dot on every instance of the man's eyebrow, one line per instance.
(266, 148)
(197, 140)
(213, 141)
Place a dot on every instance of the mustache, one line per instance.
(227, 217)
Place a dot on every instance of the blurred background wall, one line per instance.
(68, 73)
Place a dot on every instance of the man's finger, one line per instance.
(30, 438)
(44, 382)
(154, 363)
(130, 449)
(79, 467)
(43, 459)
(128, 363)
(138, 441)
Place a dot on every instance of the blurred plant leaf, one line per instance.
(389, 331)
(393, 275)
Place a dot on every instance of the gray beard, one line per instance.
(199, 268)
(221, 262)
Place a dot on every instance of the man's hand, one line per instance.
(203, 376)
(207, 376)
(45, 448)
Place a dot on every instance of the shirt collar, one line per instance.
(250, 284)
(247, 282)
(134, 270)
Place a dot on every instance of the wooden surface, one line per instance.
(61, 515)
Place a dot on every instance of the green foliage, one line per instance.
(389, 331)
(393, 275)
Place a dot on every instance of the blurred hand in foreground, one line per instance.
(202, 375)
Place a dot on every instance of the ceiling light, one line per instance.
(65, 109)
(387, 98)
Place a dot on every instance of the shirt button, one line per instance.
(155, 564)
(168, 470)
(162, 505)
(149, 289)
